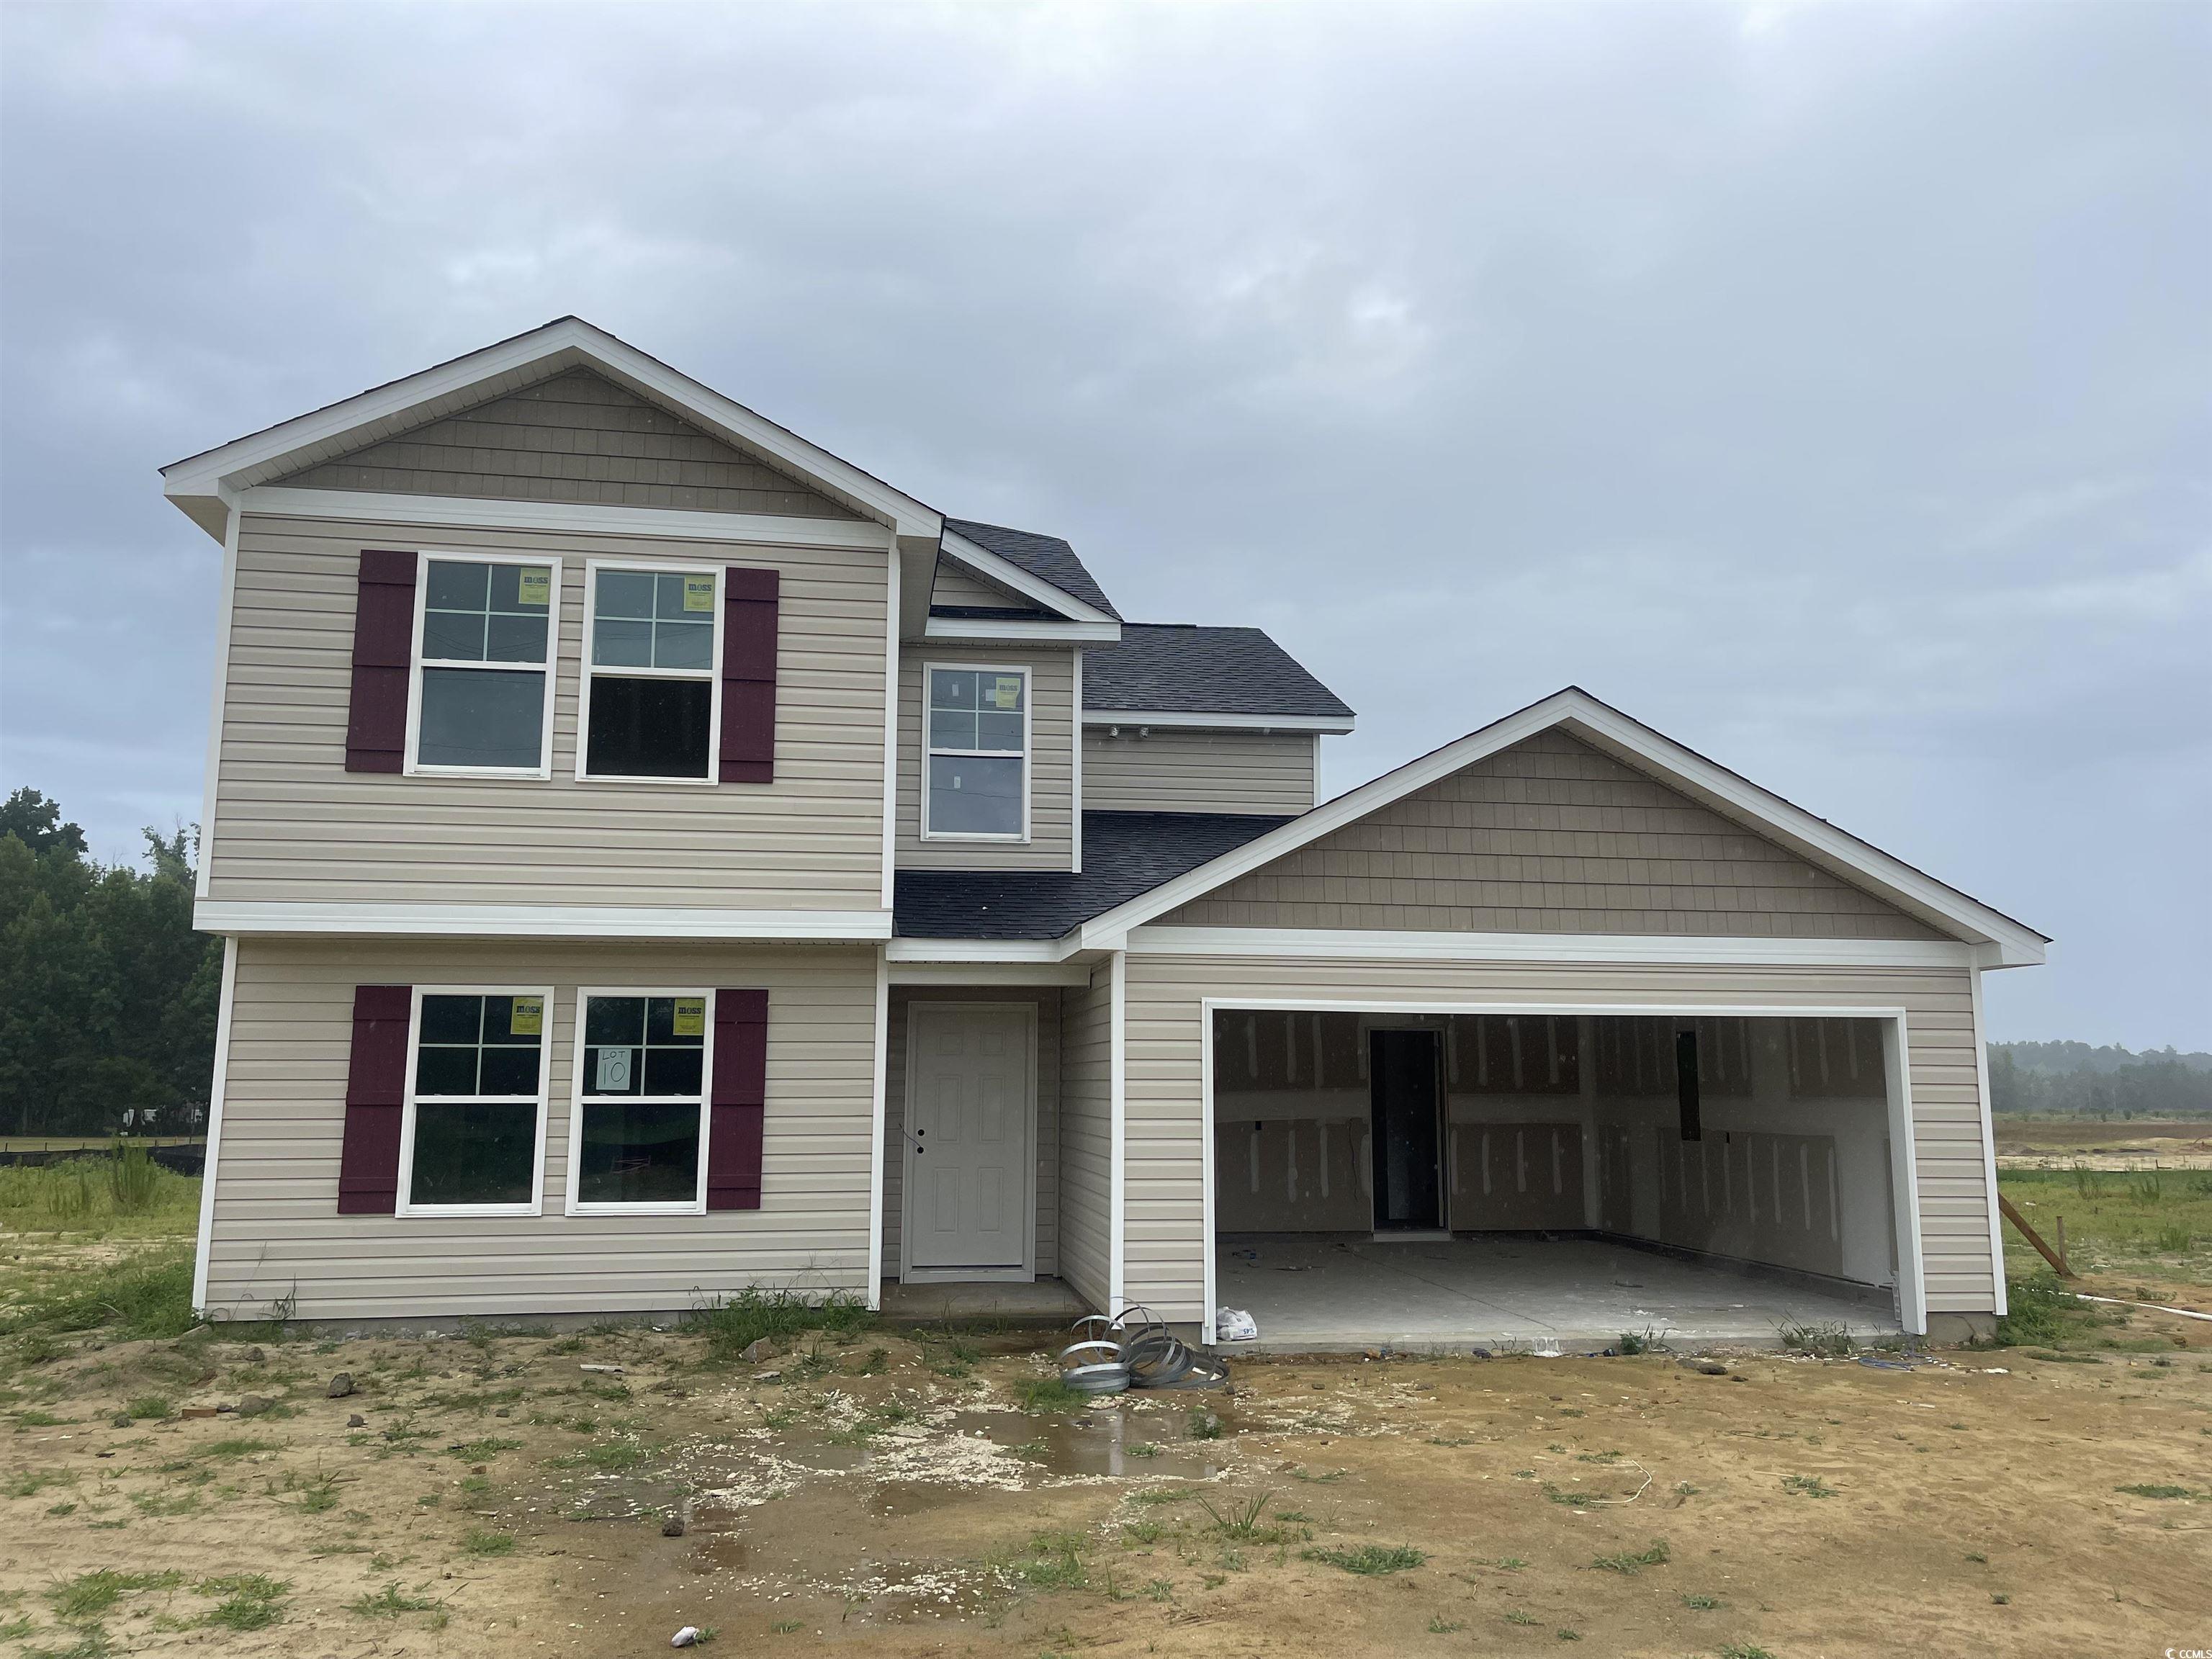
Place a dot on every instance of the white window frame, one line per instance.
(576, 1206)
(405, 1206)
(414, 766)
(1027, 754)
(712, 672)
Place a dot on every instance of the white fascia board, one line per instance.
(1328, 724)
(471, 512)
(558, 345)
(246, 917)
(1005, 573)
(990, 630)
(1624, 948)
(1583, 715)
(989, 973)
(981, 950)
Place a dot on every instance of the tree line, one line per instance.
(108, 998)
(2072, 1079)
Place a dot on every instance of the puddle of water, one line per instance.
(1092, 1442)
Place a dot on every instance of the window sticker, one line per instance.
(691, 1017)
(614, 1067)
(528, 1017)
(698, 592)
(536, 587)
(1006, 691)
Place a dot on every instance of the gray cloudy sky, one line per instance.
(1827, 386)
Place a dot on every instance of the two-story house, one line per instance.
(658, 858)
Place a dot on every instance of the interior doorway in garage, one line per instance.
(1547, 1178)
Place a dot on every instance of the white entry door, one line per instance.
(970, 1168)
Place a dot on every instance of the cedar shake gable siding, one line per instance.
(1550, 836)
(577, 438)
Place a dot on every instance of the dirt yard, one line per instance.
(874, 1493)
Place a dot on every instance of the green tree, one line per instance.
(107, 996)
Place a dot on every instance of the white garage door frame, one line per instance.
(909, 1273)
(1911, 1288)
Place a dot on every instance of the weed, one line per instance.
(244, 1613)
(61, 1509)
(1658, 1556)
(148, 1405)
(92, 1593)
(1828, 1340)
(1328, 1477)
(1049, 1393)
(1203, 1424)
(148, 1297)
(1517, 1617)
(2157, 1492)
(1703, 1603)
(1811, 1486)
(1143, 1532)
(1159, 1590)
(2041, 1311)
(1242, 1519)
(733, 1324)
(389, 1603)
(1744, 1651)
(1162, 1495)
(786, 1627)
(38, 1419)
(31, 1482)
(1141, 1448)
(1054, 1561)
(1573, 1500)
(1440, 1625)
(1684, 1489)
(1566, 1635)
(1370, 1560)
(481, 1541)
(477, 1451)
(875, 1365)
(237, 1447)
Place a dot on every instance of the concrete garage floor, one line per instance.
(1319, 1294)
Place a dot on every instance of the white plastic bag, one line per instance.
(1234, 1325)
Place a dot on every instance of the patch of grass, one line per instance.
(147, 1297)
(102, 1195)
(1633, 1562)
(786, 1627)
(481, 1540)
(1052, 1561)
(389, 1603)
(149, 1404)
(90, 1594)
(1517, 1617)
(1202, 1424)
(1164, 1495)
(1440, 1625)
(31, 1482)
(1245, 1520)
(239, 1447)
(1573, 1500)
(1828, 1340)
(38, 1419)
(1045, 1395)
(478, 1451)
(1703, 1603)
(1744, 1651)
(2159, 1490)
(730, 1325)
(1370, 1560)
(1809, 1486)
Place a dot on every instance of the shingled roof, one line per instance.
(1048, 558)
(1182, 668)
(1124, 853)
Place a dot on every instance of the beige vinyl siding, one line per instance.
(1550, 836)
(1086, 1140)
(1051, 845)
(291, 824)
(577, 437)
(954, 586)
(276, 1230)
(1174, 769)
(1047, 1148)
(1165, 1170)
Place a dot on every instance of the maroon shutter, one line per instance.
(383, 642)
(740, 1100)
(376, 1088)
(748, 616)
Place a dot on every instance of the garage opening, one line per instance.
(1431, 1180)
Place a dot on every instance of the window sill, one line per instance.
(435, 1211)
(633, 782)
(516, 774)
(697, 1207)
(1023, 840)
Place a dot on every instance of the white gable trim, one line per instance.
(1579, 713)
(488, 512)
(1319, 725)
(1673, 950)
(196, 481)
(980, 561)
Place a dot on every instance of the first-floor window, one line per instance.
(476, 1102)
(641, 1117)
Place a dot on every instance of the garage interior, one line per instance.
(1550, 1181)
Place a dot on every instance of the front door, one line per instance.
(1408, 1173)
(969, 1165)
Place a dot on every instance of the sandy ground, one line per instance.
(509, 1494)
(2103, 1144)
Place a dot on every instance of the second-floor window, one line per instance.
(650, 687)
(483, 694)
(977, 764)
